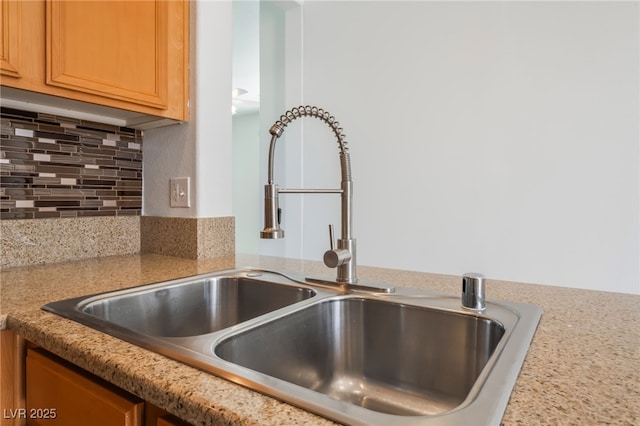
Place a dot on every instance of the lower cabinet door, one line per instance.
(59, 393)
(155, 416)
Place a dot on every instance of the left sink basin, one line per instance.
(185, 307)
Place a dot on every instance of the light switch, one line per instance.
(180, 192)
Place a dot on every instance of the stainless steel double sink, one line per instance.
(402, 358)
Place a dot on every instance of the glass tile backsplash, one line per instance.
(53, 166)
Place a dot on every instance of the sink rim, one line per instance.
(486, 401)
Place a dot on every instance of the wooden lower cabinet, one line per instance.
(12, 350)
(154, 416)
(59, 393)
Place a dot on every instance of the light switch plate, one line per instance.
(180, 192)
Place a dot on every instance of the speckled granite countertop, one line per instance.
(583, 367)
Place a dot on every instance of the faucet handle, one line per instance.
(332, 244)
(335, 257)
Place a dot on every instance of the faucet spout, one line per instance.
(346, 245)
(272, 213)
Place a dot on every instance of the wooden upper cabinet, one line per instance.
(10, 50)
(22, 44)
(117, 49)
(131, 55)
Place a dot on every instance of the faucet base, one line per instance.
(346, 272)
(370, 287)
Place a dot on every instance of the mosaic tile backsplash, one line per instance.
(53, 166)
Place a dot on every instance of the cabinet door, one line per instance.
(115, 49)
(12, 349)
(155, 416)
(22, 44)
(61, 394)
(170, 421)
(9, 49)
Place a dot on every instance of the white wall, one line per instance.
(246, 180)
(281, 85)
(200, 148)
(496, 137)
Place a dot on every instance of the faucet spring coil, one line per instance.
(342, 252)
(310, 111)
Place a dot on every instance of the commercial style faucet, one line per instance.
(343, 254)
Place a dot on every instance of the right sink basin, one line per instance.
(387, 357)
